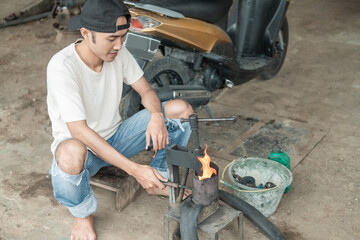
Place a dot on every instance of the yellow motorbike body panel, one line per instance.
(194, 33)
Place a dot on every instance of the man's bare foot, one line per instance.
(165, 192)
(83, 228)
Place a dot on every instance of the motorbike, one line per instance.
(190, 48)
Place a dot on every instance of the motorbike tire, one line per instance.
(159, 72)
(279, 57)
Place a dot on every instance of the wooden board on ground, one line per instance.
(118, 181)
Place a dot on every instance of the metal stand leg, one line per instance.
(240, 226)
(211, 114)
(214, 236)
(171, 225)
(208, 110)
(166, 227)
(173, 172)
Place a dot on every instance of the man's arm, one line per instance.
(144, 174)
(156, 129)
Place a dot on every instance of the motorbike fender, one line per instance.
(274, 26)
(258, 23)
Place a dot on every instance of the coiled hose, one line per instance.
(190, 211)
(252, 214)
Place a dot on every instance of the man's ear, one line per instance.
(84, 32)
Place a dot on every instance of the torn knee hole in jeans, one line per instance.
(176, 123)
(73, 179)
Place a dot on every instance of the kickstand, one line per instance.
(211, 114)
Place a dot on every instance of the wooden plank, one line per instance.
(102, 185)
(118, 181)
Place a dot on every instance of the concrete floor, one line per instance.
(318, 85)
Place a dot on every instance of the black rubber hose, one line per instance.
(24, 20)
(252, 214)
(189, 213)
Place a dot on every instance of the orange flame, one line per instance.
(207, 170)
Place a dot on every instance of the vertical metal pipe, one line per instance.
(194, 124)
(183, 183)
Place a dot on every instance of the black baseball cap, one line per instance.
(101, 16)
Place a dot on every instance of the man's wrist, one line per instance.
(157, 113)
(132, 168)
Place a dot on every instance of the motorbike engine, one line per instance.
(212, 79)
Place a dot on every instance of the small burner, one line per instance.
(206, 191)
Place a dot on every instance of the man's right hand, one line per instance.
(148, 177)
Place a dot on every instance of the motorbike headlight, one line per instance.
(140, 23)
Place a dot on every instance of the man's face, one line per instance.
(106, 45)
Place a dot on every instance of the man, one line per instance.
(84, 82)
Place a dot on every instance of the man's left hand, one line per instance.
(157, 131)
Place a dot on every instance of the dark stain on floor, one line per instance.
(262, 142)
(31, 186)
(290, 234)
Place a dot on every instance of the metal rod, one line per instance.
(175, 185)
(233, 119)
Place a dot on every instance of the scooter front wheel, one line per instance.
(164, 71)
(279, 54)
(160, 72)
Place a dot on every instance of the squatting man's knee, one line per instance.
(177, 109)
(71, 155)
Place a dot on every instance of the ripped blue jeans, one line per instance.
(74, 191)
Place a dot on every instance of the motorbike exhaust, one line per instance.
(195, 95)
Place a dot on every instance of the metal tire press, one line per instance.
(201, 210)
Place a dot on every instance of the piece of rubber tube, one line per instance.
(252, 214)
(189, 213)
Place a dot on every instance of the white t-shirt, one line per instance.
(76, 92)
